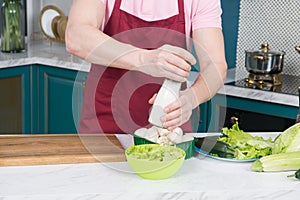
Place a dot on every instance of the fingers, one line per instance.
(182, 67)
(168, 61)
(178, 60)
(175, 118)
(177, 113)
(182, 53)
(174, 73)
(151, 101)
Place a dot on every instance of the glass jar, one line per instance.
(12, 26)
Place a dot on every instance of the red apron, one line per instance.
(116, 100)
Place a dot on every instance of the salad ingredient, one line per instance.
(246, 146)
(211, 145)
(296, 174)
(163, 136)
(154, 153)
(288, 140)
(277, 162)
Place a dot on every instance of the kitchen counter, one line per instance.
(254, 94)
(199, 178)
(45, 53)
(54, 54)
(260, 95)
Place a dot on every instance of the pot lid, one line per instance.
(265, 49)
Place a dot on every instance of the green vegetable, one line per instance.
(288, 141)
(13, 39)
(285, 153)
(296, 175)
(246, 146)
(211, 145)
(154, 153)
(277, 162)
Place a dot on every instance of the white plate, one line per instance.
(265, 135)
(204, 153)
(47, 14)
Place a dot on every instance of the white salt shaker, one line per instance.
(168, 93)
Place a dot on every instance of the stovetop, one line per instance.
(289, 85)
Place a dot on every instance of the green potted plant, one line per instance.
(12, 24)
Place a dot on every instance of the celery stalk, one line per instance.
(278, 162)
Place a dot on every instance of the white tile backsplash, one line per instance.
(276, 22)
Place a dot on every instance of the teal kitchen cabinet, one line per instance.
(40, 99)
(15, 101)
(202, 117)
(60, 98)
(252, 115)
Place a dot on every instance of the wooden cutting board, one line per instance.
(43, 149)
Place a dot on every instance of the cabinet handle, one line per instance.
(234, 120)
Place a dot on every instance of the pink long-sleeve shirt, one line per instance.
(198, 13)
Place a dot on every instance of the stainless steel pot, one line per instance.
(264, 60)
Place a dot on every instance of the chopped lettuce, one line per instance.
(246, 146)
(288, 140)
(155, 153)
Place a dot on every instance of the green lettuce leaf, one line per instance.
(288, 140)
(246, 146)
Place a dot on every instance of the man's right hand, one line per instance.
(167, 61)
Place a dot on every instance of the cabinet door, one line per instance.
(60, 99)
(201, 121)
(252, 115)
(15, 101)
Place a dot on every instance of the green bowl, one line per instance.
(153, 169)
(188, 147)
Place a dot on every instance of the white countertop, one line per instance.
(253, 94)
(54, 54)
(260, 95)
(198, 178)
